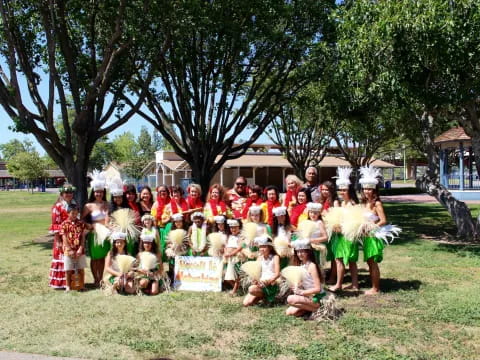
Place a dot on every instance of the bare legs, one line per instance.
(97, 267)
(255, 294)
(299, 305)
(340, 266)
(374, 276)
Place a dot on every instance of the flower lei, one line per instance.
(196, 246)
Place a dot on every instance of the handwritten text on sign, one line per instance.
(198, 273)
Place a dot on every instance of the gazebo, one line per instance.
(457, 163)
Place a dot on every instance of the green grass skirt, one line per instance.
(344, 249)
(97, 252)
(373, 248)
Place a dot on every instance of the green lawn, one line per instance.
(430, 307)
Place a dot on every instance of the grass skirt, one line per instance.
(345, 249)
(373, 248)
(95, 251)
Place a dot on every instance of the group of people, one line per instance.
(244, 224)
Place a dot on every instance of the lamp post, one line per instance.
(404, 163)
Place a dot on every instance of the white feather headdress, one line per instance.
(343, 177)
(99, 181)
(115, 185)
(369, 176)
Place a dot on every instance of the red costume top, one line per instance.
(73, 230)
(237, 203)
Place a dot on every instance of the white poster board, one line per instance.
(198, 273)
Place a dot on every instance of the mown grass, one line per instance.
(430, 308)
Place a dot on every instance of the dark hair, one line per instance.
(376, 196)
(130, 189)
(352, 193)
(174, 227)
(275, 223)
(154, 247)
(146, 187)
(307, 193)
(311, 257)
(72, 206)
(114, 248)
(215, 226)
(113, 205)
(257, 189)
(240, 222)
(272, 187)
(177, 188)
(91, 198)
(332, 195)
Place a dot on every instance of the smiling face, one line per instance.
(235, 230)
(368, 193)
(198, 221)
(271, 195)
(265, 250)
(324, 192)
(145, 196)
(240, 185)
(253, 195)
(281, 219)
(119, 245)
(147, 246)
(291, 185)
(314, 215)
(67, 196)
(302, 255)
(255, 217)
(194, 193)
(148, 223)
(215, 194)
(301, 197)
(311, 175)
(118, 200)
(177, 195)
(98, 195)
(179, 224)
(162, 191)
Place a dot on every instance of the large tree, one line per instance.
(423, 54)
(303, 130)
(13, 147)
(69, 54)
(220, 66)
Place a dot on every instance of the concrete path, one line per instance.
(8, 355)
(417, 198)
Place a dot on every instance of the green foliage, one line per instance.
(27, 166)
(14, 147)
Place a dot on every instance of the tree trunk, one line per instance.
(458, 210)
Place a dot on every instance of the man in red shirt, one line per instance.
(237, 196)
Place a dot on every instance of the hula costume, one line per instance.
(270, 291)
(342, 248)
(57, 277)
(97, 251)
(373, 248)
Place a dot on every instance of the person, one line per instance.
(255, 215)
(319, 236)
(298, 212)
(73, 233)
(266, 288)
(197, 233)
(194, 198)
(293, 184)
(149, 229)
(146, 201)
(237, 197)
(131, 195)
(311, 182)
(232, 254)
(95, 213)
(255, 197)
(306, 297)
(120, 282)
(281, 228)
(328, 196)
(372, 246)
(176, 205)
(215, 204)
(345, 251)
(163, 198)
(272, 201)
(57, 278)
(219, 225)
(118, 199)
(150, 273)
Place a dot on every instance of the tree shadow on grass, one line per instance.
(416, 220)
(463, 250)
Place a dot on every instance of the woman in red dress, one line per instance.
(57, 278)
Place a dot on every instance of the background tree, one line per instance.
(27, 166)
(303, 130)
(220, 65)
(87, 51)
(15, 146)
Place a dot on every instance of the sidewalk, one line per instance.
(8, 355)
(417, 198)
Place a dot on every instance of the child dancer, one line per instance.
(282, 234)
(231, 256)
(197, 233)
(150, 264)
(266, 288)
(149, 229)
(120, 282)
(73, 234)
(306, 297)
(319, 237)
